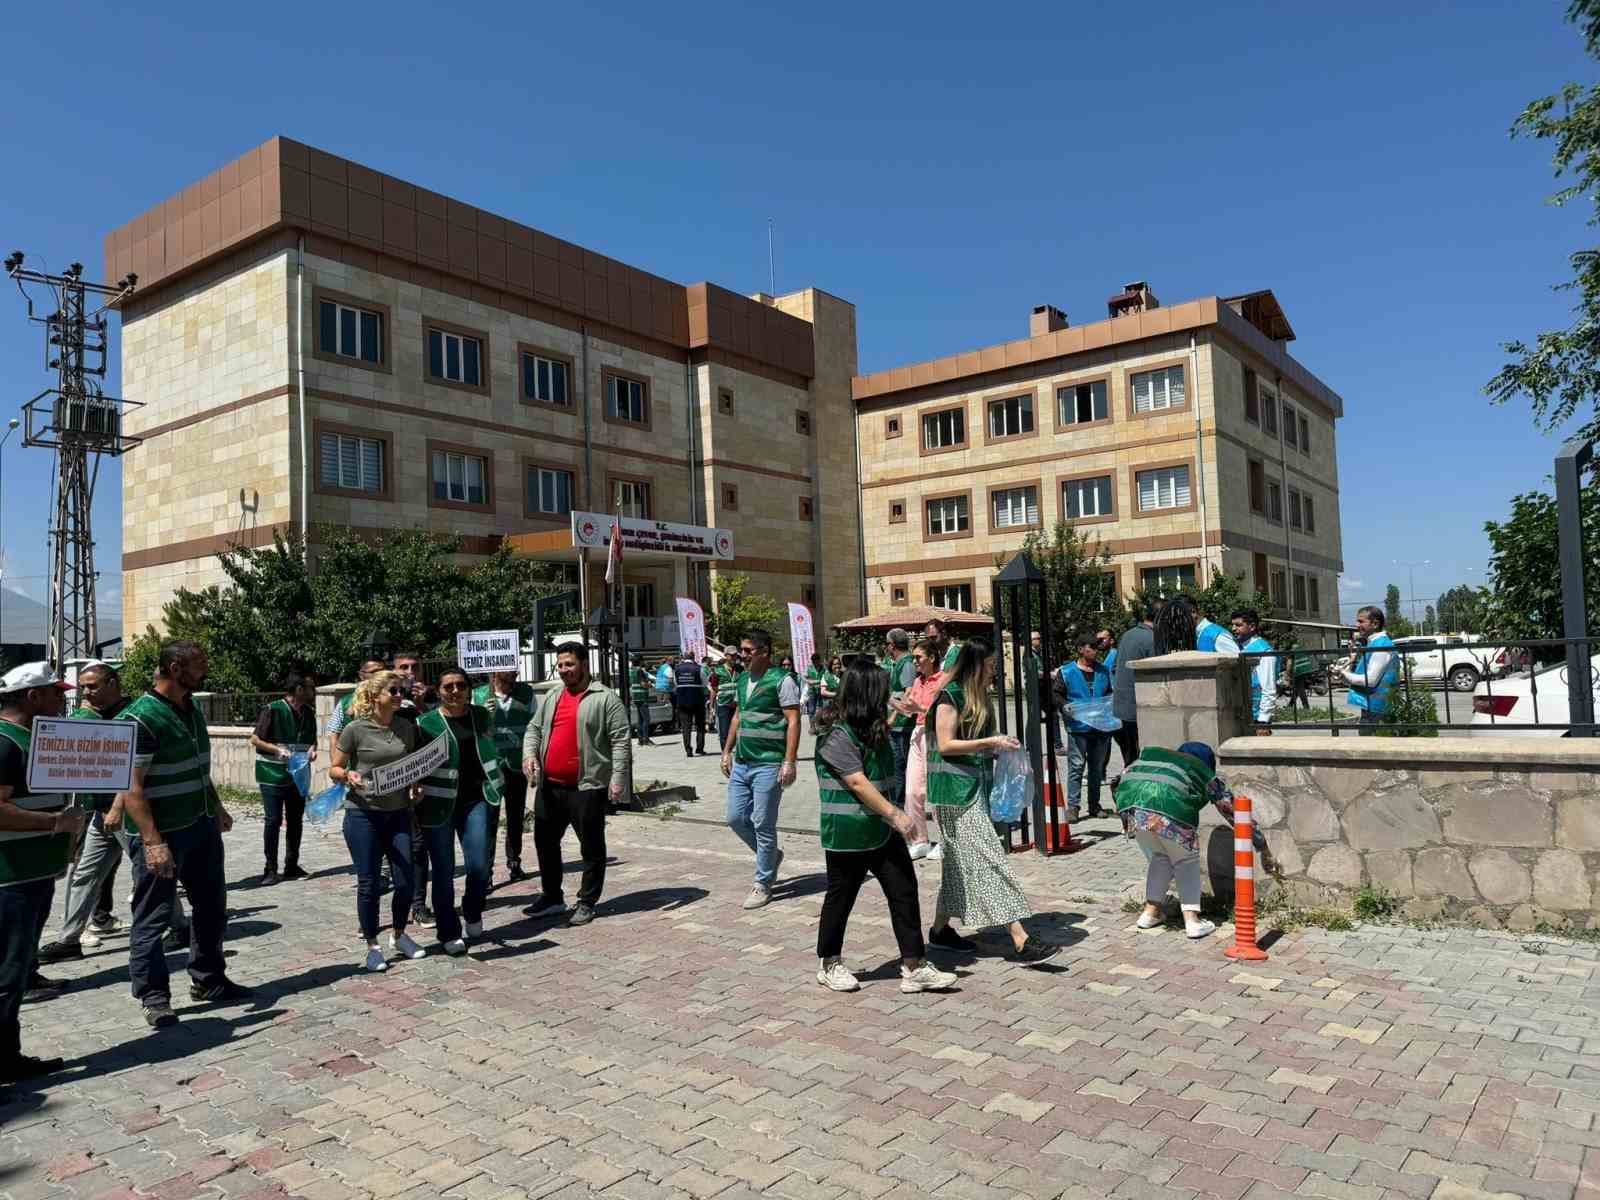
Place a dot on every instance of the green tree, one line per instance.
(1080, 586)
(1525, 600)
(1430, 622)
(1559, 373)
(1463, 609)
(738, 609)
(1391, 605)
(1219, 599)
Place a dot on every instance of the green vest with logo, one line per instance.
(638, 685)
(902, 673)
(847, 824)
(177, 783)
(954, 781)
(97, 801)
(510, 721)
(439, 789)
(763, 731)
(1164, 781)
(724, 680)
(26, 856)
(950, 657)
(296, 731)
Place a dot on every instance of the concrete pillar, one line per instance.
(1190, 697)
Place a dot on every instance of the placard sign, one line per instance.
(592, 531)
(490, 650)
(81, 756)
(413, 768)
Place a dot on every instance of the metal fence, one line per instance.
(1531, 685)
(233, 708)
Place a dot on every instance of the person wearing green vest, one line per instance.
(721, 676)
(976, 884)
(901, 673)
(456, 800)
(813, 689)
(864, 832)
(37, 832)
(948, 651)
(831, 679)
(178, 824)
(284, 728)
(759, 762)
(510, 705)
(1160, 799)
(639, 698)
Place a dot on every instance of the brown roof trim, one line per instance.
(286, 185)
(261, 535)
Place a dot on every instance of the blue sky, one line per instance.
(943, 167)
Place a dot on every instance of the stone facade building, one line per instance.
(1184, 438)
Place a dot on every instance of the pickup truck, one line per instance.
(1453, 659)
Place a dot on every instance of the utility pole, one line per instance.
(79, 422)
(1411, 584)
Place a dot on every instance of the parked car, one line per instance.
(1453, 659)
(1507, 707)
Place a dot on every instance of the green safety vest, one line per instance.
(763, 731)
(510, 722)
(954, 781)
(177, 783)
(1166, 782)
(638, 685)
(439, 789)
(950, 657)
(97, 801)
(902, 674)
(724, 678)
(297, 731)
(831, 682)
(813, 676)
(25, 856)
(847, 824)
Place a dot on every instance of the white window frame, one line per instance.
(358, 481)
(941, 595)
(1166, 488)
(637, 597)
(337, 349)
(1275, 501)
(1173, 389)
(1024, 496)
(1269, 408)
(1295, 500)
(1021, 407)
(460, 340)
(549, 366)
(461, 481)
(637, 394)
(1160, 584)
(932, 436)
(947, 510)
(1076, 487)
(535, 475)
(1291, 426)
(1067, 402)
(631, 498)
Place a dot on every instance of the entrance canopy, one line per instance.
(915, 617)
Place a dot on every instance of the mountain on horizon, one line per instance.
(23, 619)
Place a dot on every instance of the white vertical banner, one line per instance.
(691, 629)
(802, 637)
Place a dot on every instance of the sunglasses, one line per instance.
(452, 687)
(396, 691)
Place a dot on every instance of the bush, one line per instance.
(1373, 903)
(1410, 706)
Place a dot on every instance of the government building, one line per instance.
(314, 343)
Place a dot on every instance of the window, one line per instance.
(1269, 411)
(948, 516)
(627, 400)
(631, 498)
(1258, 487)
(1081, 403)
(1252, 397)
(944, 430)
(725, 402)
(808, 596)
(1299, 592)
(351, 332)
(802, 422)
(1011, 417)
(1305, 435)
(730, 497)
(455, 358)
(1167, 580)
(639, 600)
(891, 427)
(957, 596)
(1314, 590)
(459, 478)
(807, 508)
(1164, 488)
(1294, 509)
(1274, 501)
(1014, 508)
(1158, 389)
(1280, 597)
(1291, 426)
(549, 491)
(546, 380)
(1081, 498)
(897, 512)
(1309, 513)
(897, 594)
(354, 463)
(1102, 591)
(1259, 562)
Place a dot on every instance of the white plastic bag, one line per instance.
(1096, 714)
(1012, 792)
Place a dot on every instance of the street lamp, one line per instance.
(1411, 582)
(11, 427)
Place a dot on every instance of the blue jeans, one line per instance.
(641, 719)
(23, 911)
(473, 823)
(372, 836)
(900, 740)
(753, 795)
(439, 842)
(1091, 750)
(278, 801)
(724, 723)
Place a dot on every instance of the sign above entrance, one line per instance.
(592, 531)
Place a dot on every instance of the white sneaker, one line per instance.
(920, 850)
(456, 948)
(836, 977)
(375, 960)
(474, 928)
(402, 945)
(1146, 921)
(926, 978)
(759, 897)
(937, 853)
(1200, 929)
(90, 939)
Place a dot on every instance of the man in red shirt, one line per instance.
(576, 753)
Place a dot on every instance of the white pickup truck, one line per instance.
(1453, 659)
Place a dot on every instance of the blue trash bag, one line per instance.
(325, 803)
(1013, 786)
(1096, 714)
(300, 771)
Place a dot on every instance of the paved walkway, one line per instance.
(678, 1049)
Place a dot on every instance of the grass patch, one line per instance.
(238, 797)
(1374, 903)
(1321, 916)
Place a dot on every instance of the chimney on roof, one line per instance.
(1135, 297)
(1046, 318)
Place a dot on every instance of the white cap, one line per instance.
(30, 675)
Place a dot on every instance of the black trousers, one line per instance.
(197, 857)
(693, 713)
(1127, 739)
(280, 801)
(847, 871)
(513, 810)
(24, 908)
(555, 807)
(102, 906)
